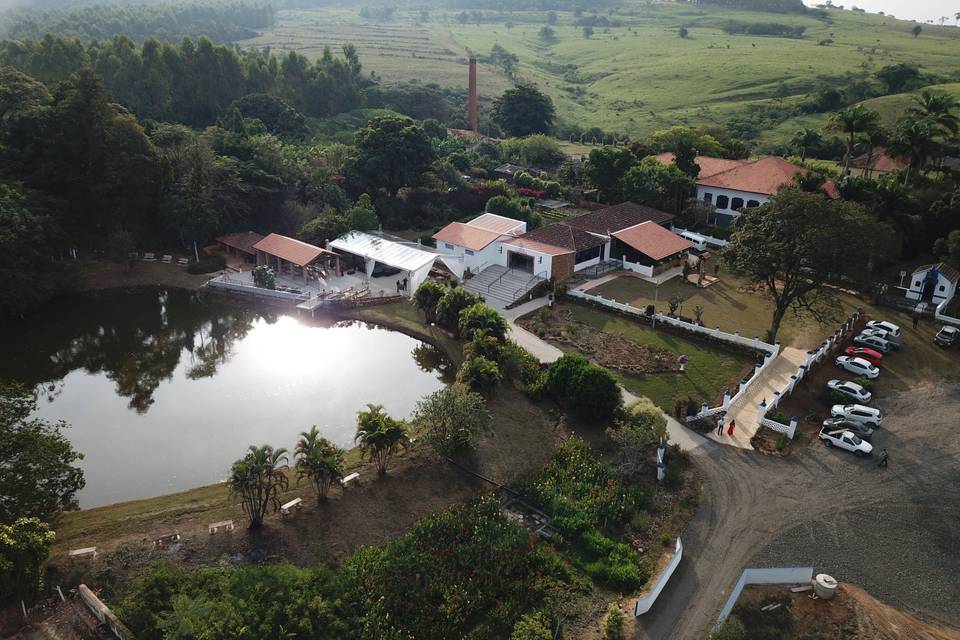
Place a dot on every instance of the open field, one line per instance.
(635, 78)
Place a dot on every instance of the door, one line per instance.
(519, 262)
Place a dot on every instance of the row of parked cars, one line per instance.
(851, 426)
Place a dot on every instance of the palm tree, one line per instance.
(804, 139)
(319, 460)
(853, 121)
(380, 436)
(874, 140)
(916, 140)
(938, 107)
(258, 478)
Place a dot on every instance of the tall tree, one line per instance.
(799, 242)
(38, 470)
(524, 110)
(916, 140)
(939, 108)
(392, 152)
(605, 169)
(24, 547)
(452, 419)
(804, 139)
(318, 460)
(380, 436)
(853, 121)
(258, 478)
(657, 185)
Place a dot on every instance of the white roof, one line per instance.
(399, 254)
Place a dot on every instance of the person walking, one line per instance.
(916, 321)
(716, 270)
(733, 424)
(883, 459)
(719, 426)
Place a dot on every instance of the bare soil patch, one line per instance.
(93, 276)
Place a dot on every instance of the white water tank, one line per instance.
(825, 586)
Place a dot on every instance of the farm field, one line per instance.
(634, 78)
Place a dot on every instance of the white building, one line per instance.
(477, 243)
(933, 283)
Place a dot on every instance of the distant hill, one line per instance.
(775, 6)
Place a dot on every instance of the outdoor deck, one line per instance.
(314, 293)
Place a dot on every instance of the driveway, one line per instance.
(894, 531)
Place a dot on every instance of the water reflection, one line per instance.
(165, 389)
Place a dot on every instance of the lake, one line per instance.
(165, 389)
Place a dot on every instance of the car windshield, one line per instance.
(856, 439)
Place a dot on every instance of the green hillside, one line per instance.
(638, 76)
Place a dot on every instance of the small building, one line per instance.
(876, 164)
(933, 283)
(555, 251)
(411, 259)
(477, 243)
(649, 249)
(295, 257)
(239, 245)
(604, 223)
(509, 171)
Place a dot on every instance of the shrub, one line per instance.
(264, 277)
(516, 363)
(427, 297)
(778, 416)
(453, 419)
(665, 539)
(587, 388)
(479, 374)
(207, 264)
(731, 629)
(614, 623)
(532, 626)
(479, 317)
(454, 300)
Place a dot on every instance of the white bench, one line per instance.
(183, 262)
(293, 504)
(149, 257)
(226, 525)
(167, 259)
(353, 477)
(86, 551)
(164, 541)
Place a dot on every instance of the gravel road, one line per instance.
(894, 531)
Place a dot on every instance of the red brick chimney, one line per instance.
(472, 96)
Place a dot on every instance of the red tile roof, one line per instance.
(618, 217)
(561, 236)
(465, 235)
(242, 241)
(290, 249)
(708, 166)
(653, 240)
(763, 176)
(878, 161)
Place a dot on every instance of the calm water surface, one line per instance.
(164, 389)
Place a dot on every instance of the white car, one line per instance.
(894, 340)
(846, 440)
(858, 366)
(873, 342)
(883, 325)
(858, 413)
(850, 389)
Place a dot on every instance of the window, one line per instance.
(737, 204)
(469, 252)
(587, 254)
(752, 203)
(943, 288)
(447, 245)
(708, 197)
(500, 249)
(723, 202)
(917, 283)
(540, 259)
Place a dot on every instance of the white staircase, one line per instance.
(505, 286)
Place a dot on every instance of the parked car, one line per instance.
(870, 355)
(852, 390)
(858, 413)
(858, 366)
(894, 341)
(883, 325)
(872, 342)
(846, 440)
(947, 336)
(862, 430)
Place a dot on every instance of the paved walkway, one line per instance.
(745, 409)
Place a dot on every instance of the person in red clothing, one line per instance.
(733, 423)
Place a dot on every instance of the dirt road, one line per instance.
(894, 531)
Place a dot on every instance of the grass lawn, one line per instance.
(726, 305)
(707, 374)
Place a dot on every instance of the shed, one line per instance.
(934, 283)
(295, 257)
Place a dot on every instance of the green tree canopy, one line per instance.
(452, 419)
(258, 479)
(24, 547)
(799, 242)
(657, 185)
(380, 436)
(38, 469)
(392, 152)
(478, 317)
(606, 168)
(454, 300)
(524, 110)
(427, 297)
(318, 460)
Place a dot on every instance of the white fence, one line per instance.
(104, 614)
(790, 575)
(715, 242)
(646, 600)
(814, 357)
(940, 313)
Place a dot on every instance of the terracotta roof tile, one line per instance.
(653, 240)
(465, 235)
(763, 176)
(290, 249)
(708, 166)
(562, 237)
(618, 217)
(242, 241)
(878, 161)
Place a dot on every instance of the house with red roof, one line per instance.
(734, 185)
(876, 164)
(476, 244)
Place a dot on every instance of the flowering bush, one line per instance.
(531, 193)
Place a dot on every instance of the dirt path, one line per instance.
(892, 531)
